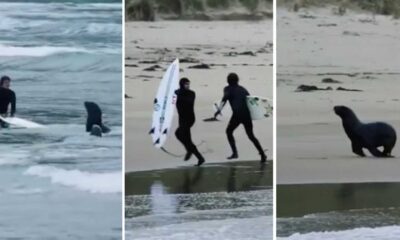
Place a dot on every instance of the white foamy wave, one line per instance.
(104, 28)
(228, 229)
(10, 51)
(8, 23)
(13, 157)
(162, 203)
(84, 181)
(381, 233)
(24, 191)
(106, 6)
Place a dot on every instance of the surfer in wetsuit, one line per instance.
(236, 95)
(185, 106)
(7, 97)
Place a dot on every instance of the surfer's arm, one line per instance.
(13, 105)
(222, 103)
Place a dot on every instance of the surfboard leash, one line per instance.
(182, 155)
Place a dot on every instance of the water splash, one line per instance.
(161, 201)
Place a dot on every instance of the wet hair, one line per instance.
(183, 81)
(3, 79)
(233, 79)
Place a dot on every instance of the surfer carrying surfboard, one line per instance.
(236, 95)
(7, 97)
(185, 106)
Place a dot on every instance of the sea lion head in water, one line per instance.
(94, 121)
(367, 135)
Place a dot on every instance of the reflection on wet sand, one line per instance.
(229, 177)
(297, 200)
(209, 202)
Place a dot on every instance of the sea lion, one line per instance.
(367, 135)
(94, 120)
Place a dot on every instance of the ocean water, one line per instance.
(231, 201)
(59, 182)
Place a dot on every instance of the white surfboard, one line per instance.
(260, 107)
(23, 123)
(164, 105)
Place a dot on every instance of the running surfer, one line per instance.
(185, 106)
(236, 95)
(7, 97)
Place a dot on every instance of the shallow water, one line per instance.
(217, 201)
(55, 181)
(338, 211)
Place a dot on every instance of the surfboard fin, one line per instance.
(157, 141)
(165, 131)
(151, 131)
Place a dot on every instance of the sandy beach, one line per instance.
(237, 46)
(358, 50)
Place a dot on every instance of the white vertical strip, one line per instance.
(123, 120)
(275, 116)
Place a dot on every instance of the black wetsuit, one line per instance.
(236, 95)
(7, 97)
(185, 106)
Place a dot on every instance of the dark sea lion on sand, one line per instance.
(367, 135)
(94, 120)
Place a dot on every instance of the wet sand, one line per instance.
(210, 202)
(316, 211)
(241, 47)
(311, 144)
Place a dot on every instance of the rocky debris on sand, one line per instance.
(338, 74)
(350, 33)
(307, 16)
(309, 88)
(233, 54)
(346, 89)
(131, 65)
(188, 60)
(144, 76)
(218, 65)
(327, 25)
(367, 20)
(330, 80)
(152, 68)
(189, 49)
(148, 62)
(200, 66)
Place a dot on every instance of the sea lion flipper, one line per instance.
(376, 152)
(96, 131)
(105, 129)
(357, 149)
